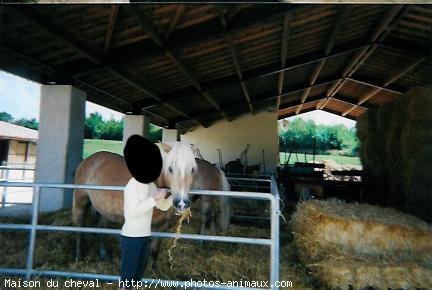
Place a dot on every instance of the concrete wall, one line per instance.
(260, 131)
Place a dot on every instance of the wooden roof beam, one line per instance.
(343, 14)
(110, 27)
(385, 25)
(245, 17)
(42, 21)
(286, 31)
(147, 27)
(266, 96)
(392, 79)
(138, 83)
(228, 38)
(249, 75)
(144, 23)
(174, 21)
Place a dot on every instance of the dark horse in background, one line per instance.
(181, 172)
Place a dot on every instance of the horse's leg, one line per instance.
(208, 216)
(81, 202)
(102, 248)
(154, 251)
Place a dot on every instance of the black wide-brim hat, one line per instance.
(143, 159)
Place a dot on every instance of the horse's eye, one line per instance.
(170, 169)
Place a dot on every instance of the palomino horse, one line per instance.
(180, 172)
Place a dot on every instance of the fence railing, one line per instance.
(5, 176)
(33, 227)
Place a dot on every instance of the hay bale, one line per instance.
(416, 152)
(397, 121)
(326, 229)
(360, 274)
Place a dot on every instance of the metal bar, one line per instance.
(15, 168)
(223, 239)
(4, 193)
(32, 241)
(274, 249)
(249, 179)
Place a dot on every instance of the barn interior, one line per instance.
(222, 75)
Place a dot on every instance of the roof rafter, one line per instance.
(343, 14)
(392, 79)
(174, 21)
(384, 27)
(266, 96)
(184, 37)
(110, 27)
(224, 19)
(148, 28)
(138, 83)
(252, 74)
(42, 21)
(284, 52)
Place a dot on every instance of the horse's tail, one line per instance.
(81, 201)
(225, 184)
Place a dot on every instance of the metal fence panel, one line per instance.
(273, 242)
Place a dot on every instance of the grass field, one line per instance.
(92, 145)
(343, 160)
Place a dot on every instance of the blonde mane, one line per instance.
(181, 157)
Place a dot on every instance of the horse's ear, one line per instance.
(165, 147)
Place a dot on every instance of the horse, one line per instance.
(180, 172)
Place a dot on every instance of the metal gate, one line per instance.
(28, 272)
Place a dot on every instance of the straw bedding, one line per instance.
(191, 260)
(373, 273)
(363, 245)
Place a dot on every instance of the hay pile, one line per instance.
(363, 245)
(396, 151)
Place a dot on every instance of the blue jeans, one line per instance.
(134, 257)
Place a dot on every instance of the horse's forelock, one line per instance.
(180, 156)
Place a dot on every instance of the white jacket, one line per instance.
(138, 208)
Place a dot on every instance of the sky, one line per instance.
(20, 98)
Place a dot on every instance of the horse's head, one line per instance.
(179, 168)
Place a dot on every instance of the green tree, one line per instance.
(4, 116)
(92, 126)
(32, 123)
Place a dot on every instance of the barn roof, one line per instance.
(188, 65)
(14, 132)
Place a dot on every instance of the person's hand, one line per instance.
(160, 194)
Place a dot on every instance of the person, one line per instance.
(144, 162)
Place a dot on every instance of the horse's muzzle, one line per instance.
(181, 204)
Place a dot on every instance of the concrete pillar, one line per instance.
(170, 135)
(135, 124)
(60, 142)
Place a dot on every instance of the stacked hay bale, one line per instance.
(416, 153)
(370, 154)
(397, 122)
(363, 245)
(396, 151)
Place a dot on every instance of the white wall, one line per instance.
(260, 131)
